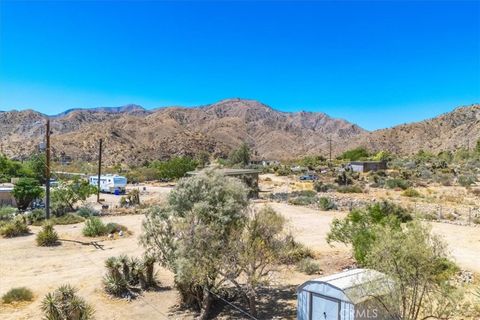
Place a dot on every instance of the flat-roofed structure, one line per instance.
(6, 195)
(366, 166)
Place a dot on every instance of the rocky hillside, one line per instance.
(450, 131)
(133, 134)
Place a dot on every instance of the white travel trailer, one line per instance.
(109, 183)
(343, 296)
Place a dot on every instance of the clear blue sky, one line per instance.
(376, 63)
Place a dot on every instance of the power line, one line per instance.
(234, 306)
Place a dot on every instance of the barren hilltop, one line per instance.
(133, 134)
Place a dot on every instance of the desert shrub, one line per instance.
(326, 203)
(319, 186)
(466, 181)
(174, 168)
(47, 237)
(67, 219)
(397, 183)
(350, 189)
(87, 212)
(282, 171)
(354, 154)
(343, 179)
(357, 228)
(17, 294)
(308, 266)
(444, 179)
(14, 228)
(94, 227)
(476, 220)
(63, 304)
(7, 213)
(113, 227)
(36, 217)
(410, 192)
(304, 193)
(294, 252)
(303, 200)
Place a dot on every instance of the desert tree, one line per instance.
(194, 232)
(417, 266)
(25, 191)
(260, 249)
(240, 156)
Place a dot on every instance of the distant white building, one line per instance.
(109, 183)
(343, 296)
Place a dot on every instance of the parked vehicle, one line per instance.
(308, 177)
(110, 183)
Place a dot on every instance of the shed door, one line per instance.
(324, 308)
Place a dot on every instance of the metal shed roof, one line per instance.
(357, 284)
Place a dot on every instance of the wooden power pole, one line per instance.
(99, 169)
(47, 170)
(330, 148)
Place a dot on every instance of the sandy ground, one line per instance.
(22, 263)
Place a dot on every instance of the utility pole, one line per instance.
(47, 171)
(330, 148)
(99, 169)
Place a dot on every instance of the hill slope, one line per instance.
(133, 134)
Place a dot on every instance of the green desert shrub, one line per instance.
(326, 203)
(113, 227)
(350, 189)
(7, 213)
(63, 304)
(294, 252)
(68, 218)
(87, 212)
(397, 183)
(466, 181)
(94, 227)
(14, 228)
(47, 237)
(36, 217)
(17, 294)
(410, 192)
(303, 200)
(308, 266)
(319, 186)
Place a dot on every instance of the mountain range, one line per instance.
(133, 134)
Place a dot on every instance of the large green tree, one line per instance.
(418, 270)
(68, 194)
(240, 156)
(25, 191)
(195, 231)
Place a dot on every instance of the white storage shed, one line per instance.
(343, 296)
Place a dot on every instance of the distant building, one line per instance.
(264, 162)
(6, 195)
(366, 166)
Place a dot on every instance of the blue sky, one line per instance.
(377, 63)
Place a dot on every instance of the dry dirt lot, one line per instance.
(22, 263)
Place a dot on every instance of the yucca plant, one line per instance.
(148, 265)
(47, 237)
(63, 304)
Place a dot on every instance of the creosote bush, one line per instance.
(14, 228)
(17, 295)
(64, 304)
(350, 189)
(308, 266)
(410, 192)
(47, 237)
(94, 227)
(326, 203)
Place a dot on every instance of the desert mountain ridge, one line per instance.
(133, 134)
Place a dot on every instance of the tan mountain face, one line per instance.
(133, 135)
